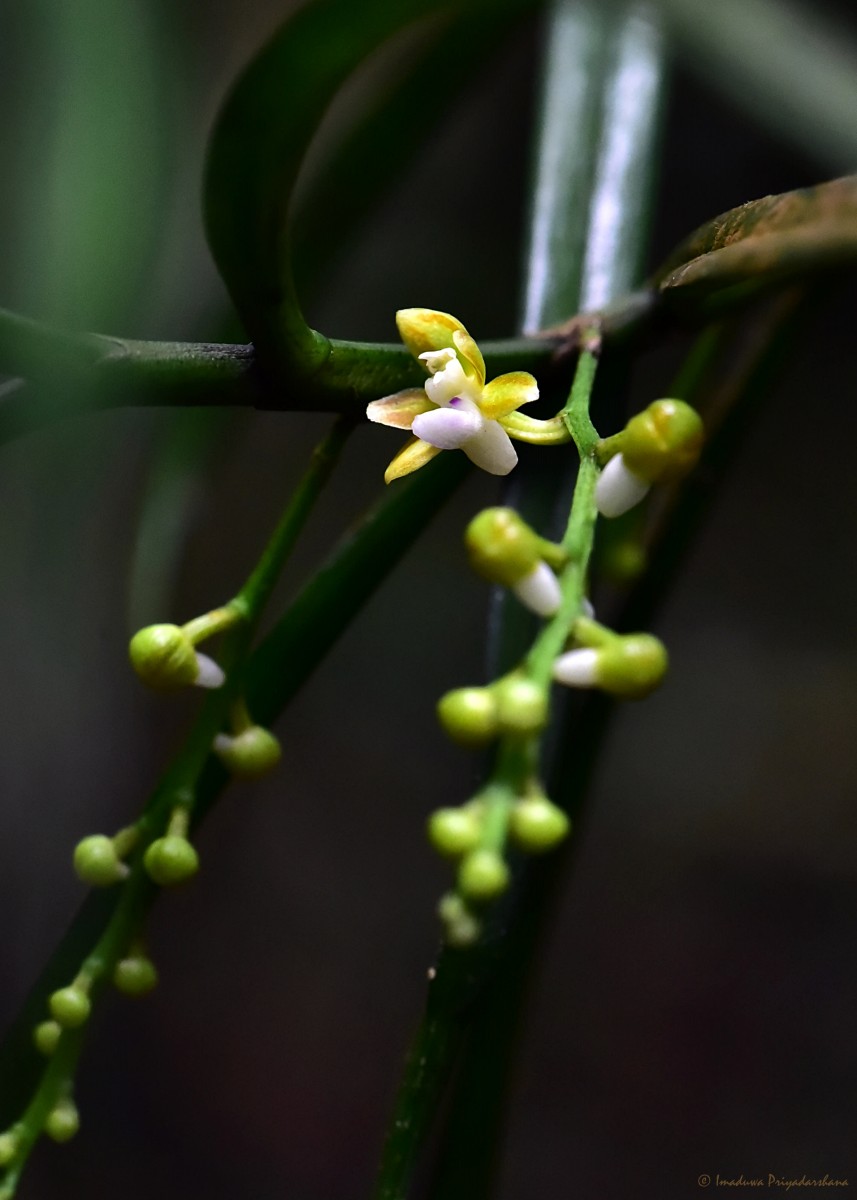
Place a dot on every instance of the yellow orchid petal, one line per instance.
(470, 354)
(411, 457)
(399, 410)
(552, 432)
(424, 329)
(507, 393)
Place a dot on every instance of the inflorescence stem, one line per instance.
(174, 795)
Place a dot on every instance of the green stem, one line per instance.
(257, 590)
(63, 374)
(608, 224)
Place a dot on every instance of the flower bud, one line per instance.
(537, 825)
(663, 442)
(630, 667)
(461, 927)
(469, 715)
(135, 975)
(70, 1006)
(250, 754)
(62, 1122)
(522, 705)
(171, 860)
(482, 876)
(46, 1035)
(454, 831)
(97, 863)
(633, 668)
(501, 546)
(165, 659)
(9, 1144)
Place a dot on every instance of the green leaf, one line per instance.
(789, 66)
(256, 151)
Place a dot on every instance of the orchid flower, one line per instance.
(456, 409)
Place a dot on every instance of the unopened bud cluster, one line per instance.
(658, 445)
(474, 716)
(467, 835)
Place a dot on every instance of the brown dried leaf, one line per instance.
(770, 240)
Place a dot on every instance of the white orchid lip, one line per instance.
(451, 425)
(491, 450)
(618, 488)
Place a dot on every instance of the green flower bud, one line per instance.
(9, 1143)
(97, 863)
(135, 975)
(482, 876)
(663, 442)
(537, 825)
(171, 860)
(454, 831)
(250, 754)
(461, 927)
(46, 1035)
(70, 1006)
(501, 546)
(633, 666)
(623, 561)
(62, 1122)
(522, 706)
(469, 715)
(164, 657)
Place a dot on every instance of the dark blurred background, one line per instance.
(696, 1008)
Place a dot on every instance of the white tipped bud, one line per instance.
(210, 673)
(618, 489)
(577, 668)
(539, 591)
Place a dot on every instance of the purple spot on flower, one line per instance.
(455, 401)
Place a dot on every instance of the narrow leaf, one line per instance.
(767, 242)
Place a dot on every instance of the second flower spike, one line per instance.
(455, 409)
